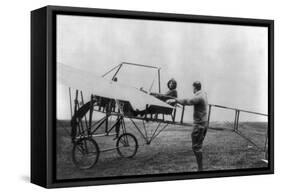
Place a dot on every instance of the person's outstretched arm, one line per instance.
(185, 101)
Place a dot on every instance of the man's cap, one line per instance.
(197, 85)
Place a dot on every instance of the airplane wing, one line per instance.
(86, 81)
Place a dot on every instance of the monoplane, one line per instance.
(110, 105)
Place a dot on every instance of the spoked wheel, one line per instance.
(85, 153)
(127, 145)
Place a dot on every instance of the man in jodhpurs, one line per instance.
(200, 103)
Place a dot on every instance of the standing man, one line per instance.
(200, 103)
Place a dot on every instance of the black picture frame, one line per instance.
(43, 95)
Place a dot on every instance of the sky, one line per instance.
(230, 61)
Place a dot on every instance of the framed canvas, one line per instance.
(126, 96)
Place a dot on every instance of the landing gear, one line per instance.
(127, 145)
(85, 153)
(85, 128)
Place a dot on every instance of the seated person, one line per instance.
(170, 94)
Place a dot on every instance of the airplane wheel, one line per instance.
(85, 153)
(127, 145)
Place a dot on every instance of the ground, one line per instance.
(170, 152)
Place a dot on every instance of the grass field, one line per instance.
(170, 152)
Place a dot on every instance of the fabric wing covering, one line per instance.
(89, 82)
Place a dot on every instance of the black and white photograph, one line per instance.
(150, 97)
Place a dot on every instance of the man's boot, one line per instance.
(199, 159)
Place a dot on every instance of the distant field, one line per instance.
(170, 152)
